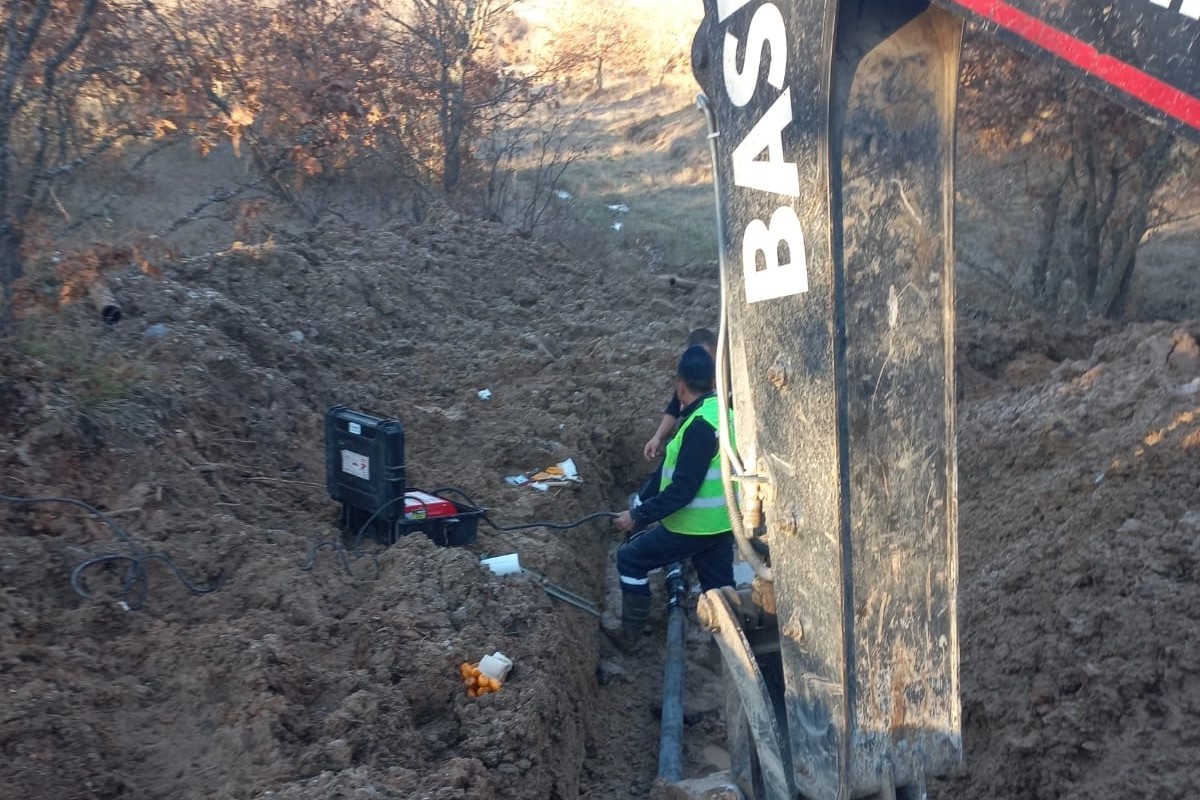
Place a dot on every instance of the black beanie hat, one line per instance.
(697, 370)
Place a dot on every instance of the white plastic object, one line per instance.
(503, 565)
(496, 665)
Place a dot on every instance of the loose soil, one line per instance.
(196, 423)
(1079, 462)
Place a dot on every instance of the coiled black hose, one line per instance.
(134, 584)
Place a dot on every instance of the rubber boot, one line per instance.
(635, 610)
(626, 632)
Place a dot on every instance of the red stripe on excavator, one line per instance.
(1130, 79)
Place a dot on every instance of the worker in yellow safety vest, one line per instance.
(688, 517)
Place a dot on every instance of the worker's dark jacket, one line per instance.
(696, 453)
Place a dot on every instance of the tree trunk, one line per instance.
(1115, 307)
(454, 120)
(1090, 253)
(11, 268)
(451, 168)
(1040, 269)
(1154, 165)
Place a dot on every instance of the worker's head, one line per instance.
(695, 374)
(704, 338)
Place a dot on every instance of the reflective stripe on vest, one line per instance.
(706, 514)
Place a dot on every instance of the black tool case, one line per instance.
(364, 471)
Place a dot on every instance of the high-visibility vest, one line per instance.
(706, 514)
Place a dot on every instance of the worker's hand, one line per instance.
(653, 448)
(623, 522)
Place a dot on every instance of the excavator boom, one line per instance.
(831, 126)
(1141, 53)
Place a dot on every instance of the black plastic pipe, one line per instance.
(670, 748)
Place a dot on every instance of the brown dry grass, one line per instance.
(647, 152)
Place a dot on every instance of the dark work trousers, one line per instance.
(656, 547)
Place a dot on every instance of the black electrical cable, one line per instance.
(362, 529)
(552, 525)
(332, 544)
(122, 534)
(134, 584)
(337, 546)
(343, 554)
(556, 525)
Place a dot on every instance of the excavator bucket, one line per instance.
(833, 129)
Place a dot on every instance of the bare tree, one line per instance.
(1093, 174)
(597, 37)
(40, 39)
(313, 96)
(1117, 164)
(451, 61)
(554, 146)
(526, 162)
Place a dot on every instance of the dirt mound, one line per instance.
(1079, 541)
(196, 423)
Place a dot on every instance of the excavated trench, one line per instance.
(197, 422)
(315, 684)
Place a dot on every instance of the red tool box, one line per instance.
(422, 505)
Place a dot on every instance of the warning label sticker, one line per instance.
(356, 464)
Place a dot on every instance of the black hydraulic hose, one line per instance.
(728, 453)
(670, 746)
(557, 526)
(355, 550)
(337, 547)
(133, 585)
(327, 544)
